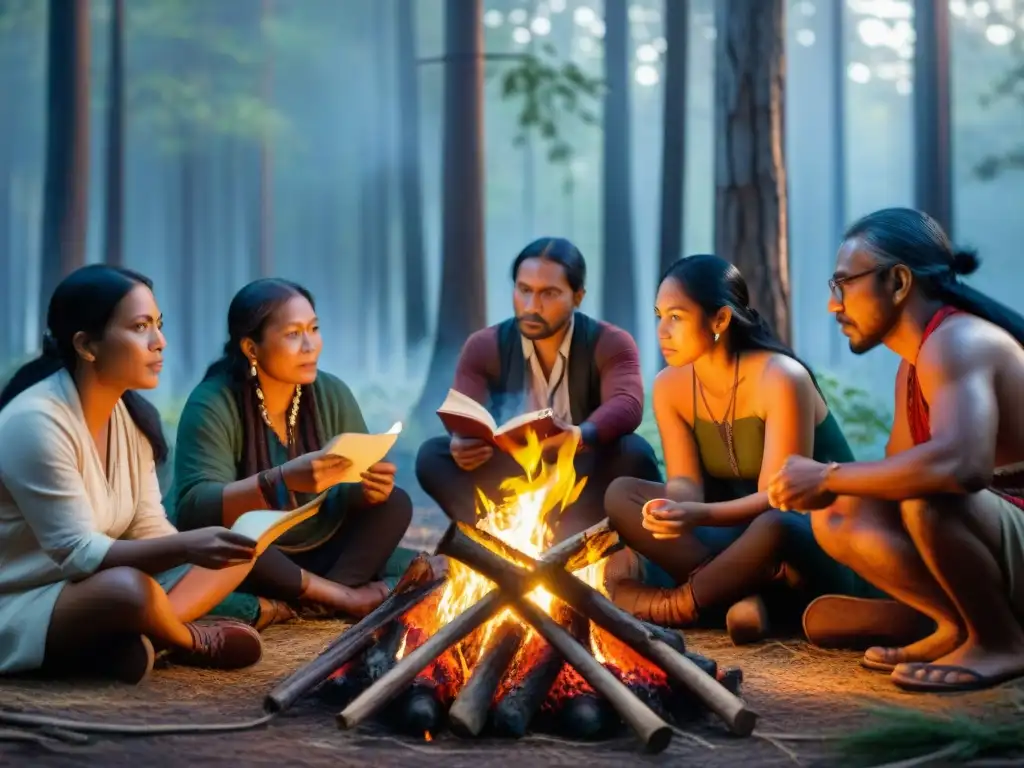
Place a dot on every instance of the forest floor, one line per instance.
(804, 696)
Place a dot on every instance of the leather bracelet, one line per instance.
(266, 486)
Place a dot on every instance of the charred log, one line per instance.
(468, 715)
(417, 710)
(516, 709)
(587, 717)
(410, 590)
(363, 672)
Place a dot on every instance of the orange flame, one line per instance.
(519, 518)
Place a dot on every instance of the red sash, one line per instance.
(917, 407)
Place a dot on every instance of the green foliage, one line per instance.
(904, 734)
(1009, 87)
(865, 423)
(550, 92)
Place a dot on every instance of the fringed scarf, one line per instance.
(917, 407)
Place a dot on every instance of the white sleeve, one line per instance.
(40, 469)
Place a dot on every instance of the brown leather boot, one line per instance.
(666, 607)
(220, 644)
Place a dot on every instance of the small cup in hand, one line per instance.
(651, 506)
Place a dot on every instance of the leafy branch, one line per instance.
(864, 422)
(550, 93)
(1009, 87)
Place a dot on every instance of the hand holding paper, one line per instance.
(362, 450)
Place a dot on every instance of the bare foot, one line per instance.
(943, 640)
(971, 666)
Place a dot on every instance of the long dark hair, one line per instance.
(250, 310)
(85, 301)
(916, 240)
(712, 283)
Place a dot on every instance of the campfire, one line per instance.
(518, 636)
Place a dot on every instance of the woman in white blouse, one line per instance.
(86, 550)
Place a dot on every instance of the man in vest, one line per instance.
(548, 356)
(938, 523)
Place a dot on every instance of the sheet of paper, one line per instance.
(363, 450)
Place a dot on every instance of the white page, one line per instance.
(363, 450)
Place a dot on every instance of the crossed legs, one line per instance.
(110, 621)
(945, 556)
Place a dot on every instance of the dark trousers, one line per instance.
(353, 556)
(455, 490)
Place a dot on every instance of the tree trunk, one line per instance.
(463, 305)
(618, 292)
(414, 273)
(65, 198)
(750, 184)
(113, 248)
(187, 284)
(266, 186)
(673, 134)
(382, 152)
(933, 173)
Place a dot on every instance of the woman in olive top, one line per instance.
(732, 404)
(251, 437)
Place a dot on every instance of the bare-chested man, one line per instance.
(938, 523)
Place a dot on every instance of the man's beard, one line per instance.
(546, 332)
(863, 345)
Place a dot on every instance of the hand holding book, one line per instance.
(466, 418)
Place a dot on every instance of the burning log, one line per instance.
(498, 561)
(514, 713)
(341, 688)
(468, 715)
(574, 553)
(585, 717)
(653, 732)
(417, 711)
(408, 592)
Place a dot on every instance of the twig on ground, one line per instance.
(932, 757)
(50, 743)
(781, 747)
(798, 736)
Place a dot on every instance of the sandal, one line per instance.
(905, 679)
(883, 659)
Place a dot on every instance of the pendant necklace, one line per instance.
(725, 426)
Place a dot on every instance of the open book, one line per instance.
(200, 589)
(464, 416)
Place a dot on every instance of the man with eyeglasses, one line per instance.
(938, 523)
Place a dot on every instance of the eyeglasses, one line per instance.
(836, 283)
